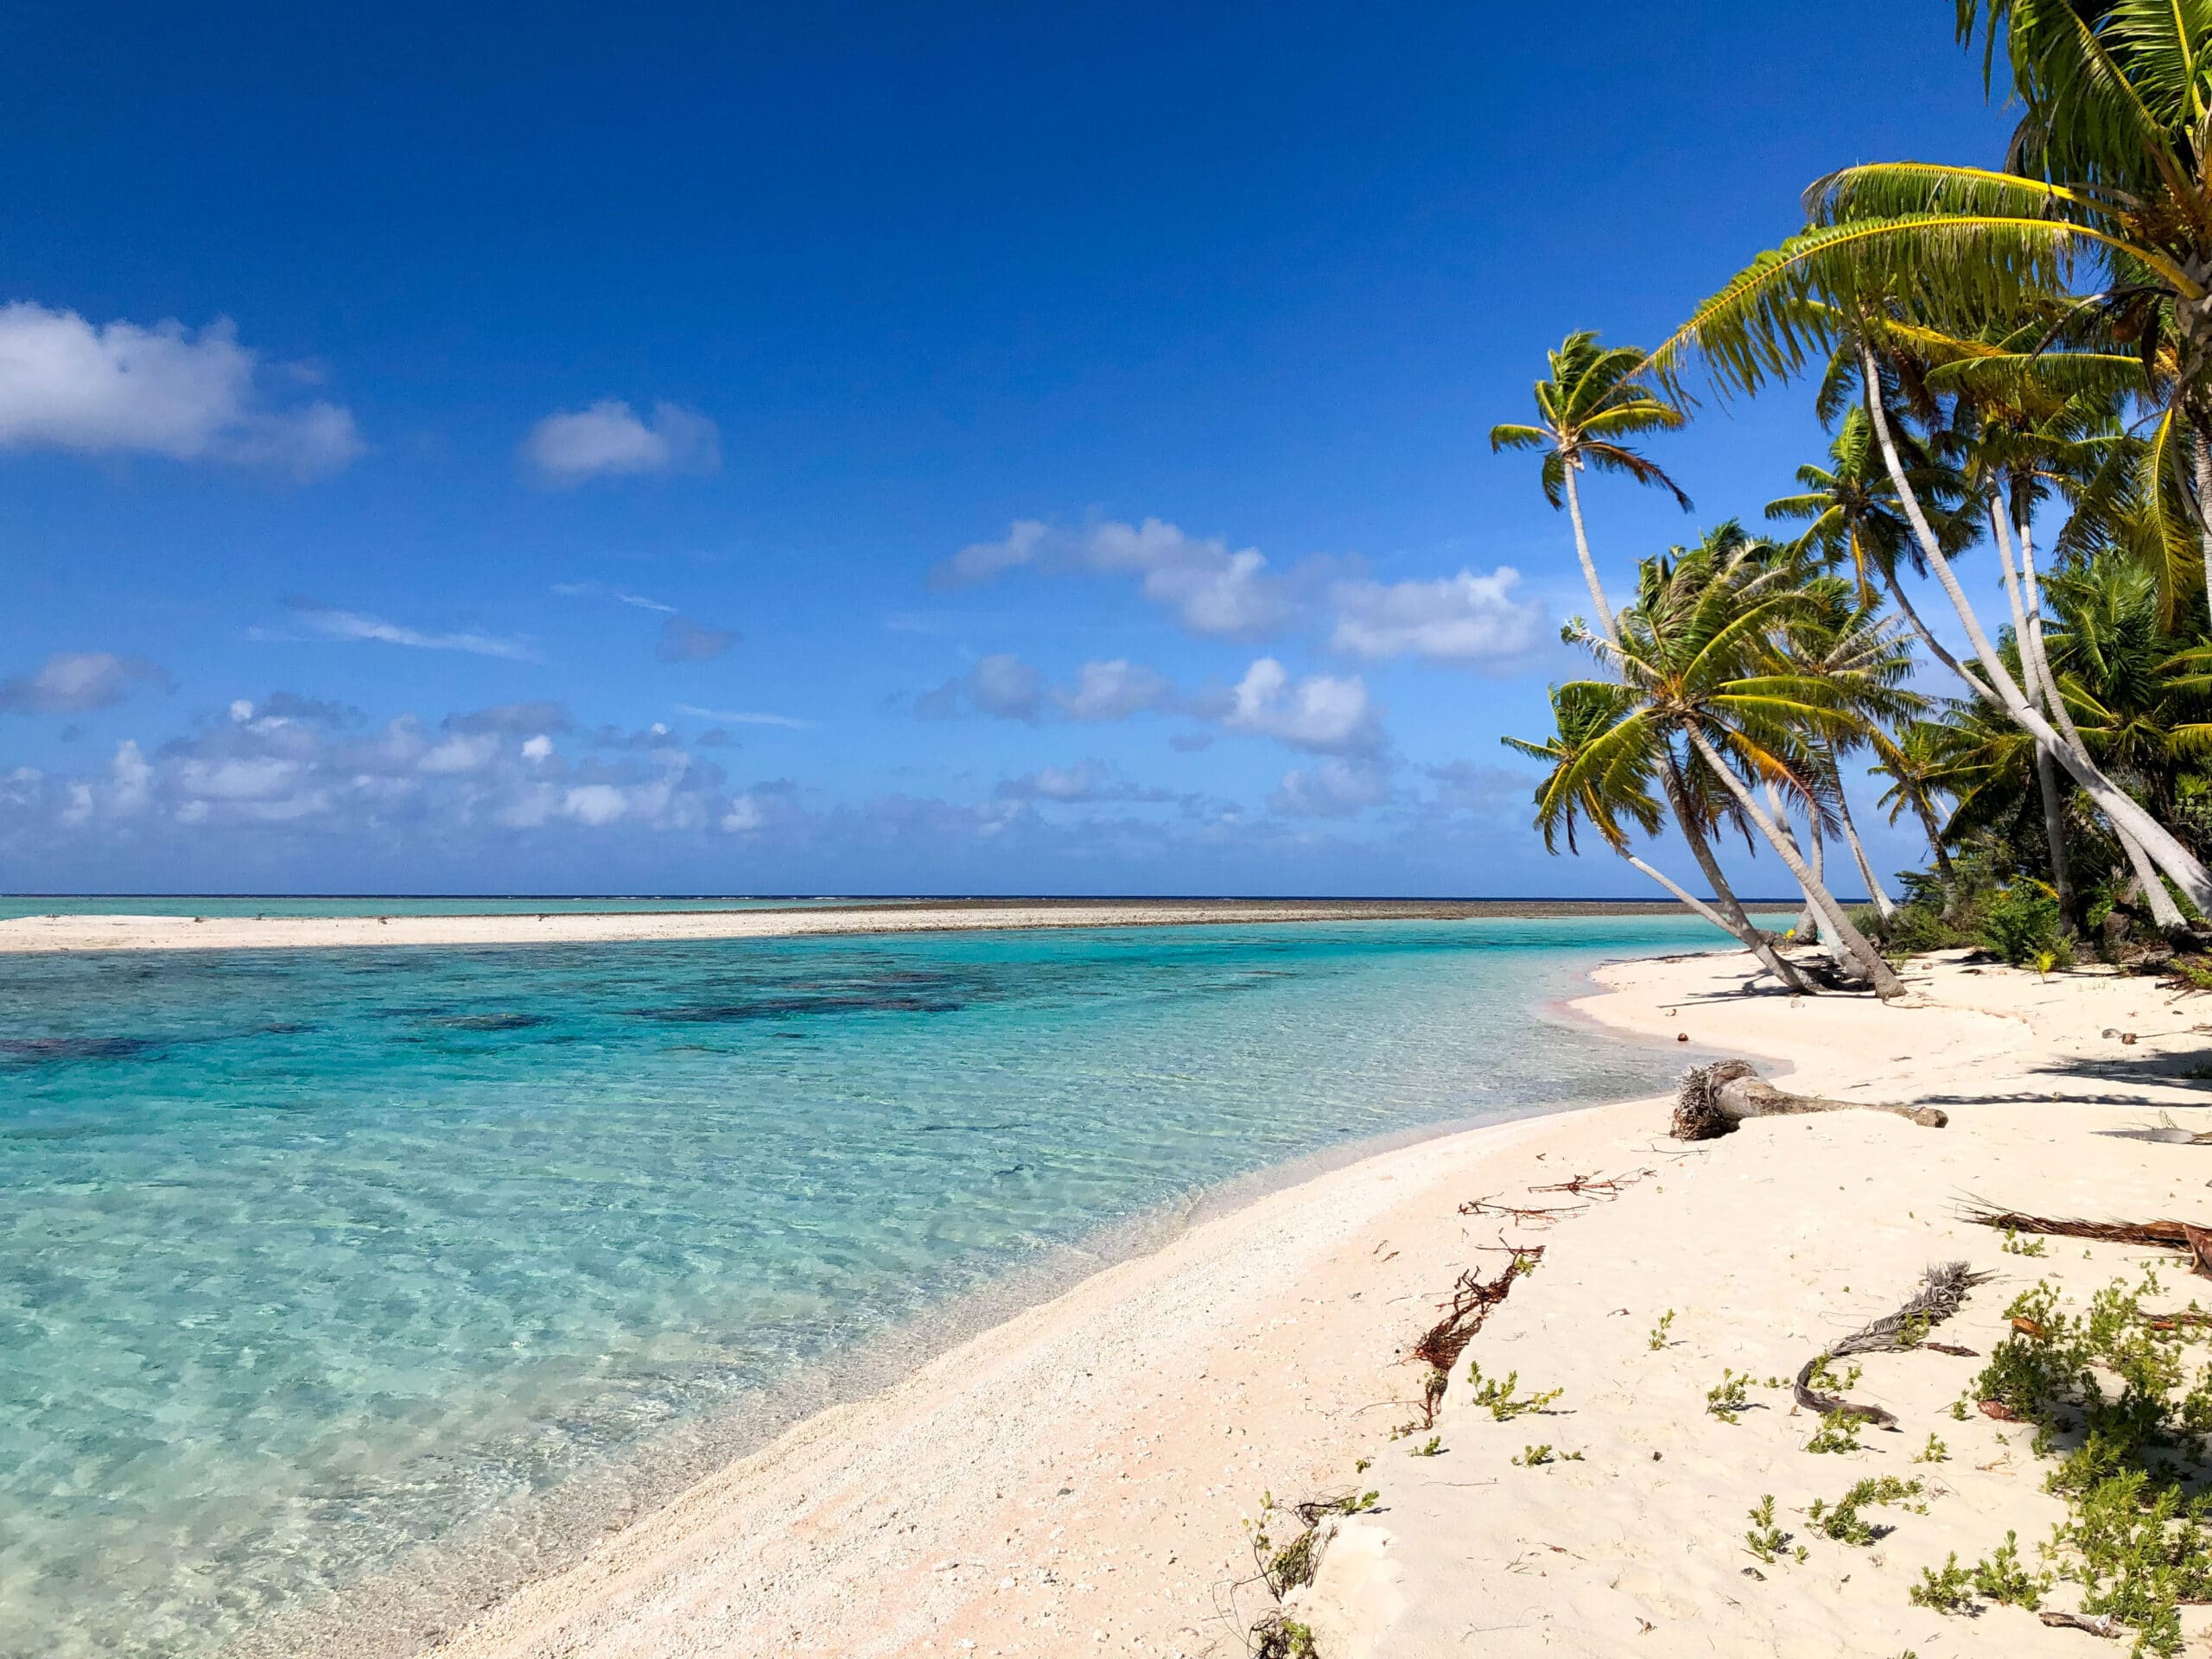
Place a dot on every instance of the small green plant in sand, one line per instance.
(1504, 1405)
(1838, 1433)
(1659, 1337)
(1726, 1399)
(2001, 1578)
(1535, 1457)
(1842, 1522)
(1765, 1539)
(1431, 1447)
(2015, 1245)
(1824, 1378)
(1950, 1591)
(1934, 1451)
(1287, 1566)
(2112, 1382)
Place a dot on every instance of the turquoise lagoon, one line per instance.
(316, 1267)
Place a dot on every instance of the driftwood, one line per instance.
(2171, 1133)
(1942, 1291)
(1713, 1099)
(2103, 1624)
(2191, 1240)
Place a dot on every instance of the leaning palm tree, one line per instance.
(1586, 409)
(1695, 654)
(1913, 761)
(1843, 639)
(1842, 288)
(1601, 785)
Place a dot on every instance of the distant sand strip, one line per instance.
(52, 933)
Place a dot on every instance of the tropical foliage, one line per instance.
(2014, 361)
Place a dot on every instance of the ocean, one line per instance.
(316, 1266)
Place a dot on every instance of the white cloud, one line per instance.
(122, 389)
(1321, 712)
(738, 717)
(76, 683)
(1337, 788)
(538, 749)
(1113, 690)
(1000, 685)
(355, 624)
(980, 561)
(601, 590)
(463, 751)
(1464, 618)
(1084, 782)
(1212, 590)
(609, 440)
(595, 803)
(1006, 688)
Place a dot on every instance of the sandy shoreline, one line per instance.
(1079, 1478)
(50, 933)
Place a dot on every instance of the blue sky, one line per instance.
(948, 449)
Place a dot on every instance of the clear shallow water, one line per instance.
(309, 1259)
(185, 904)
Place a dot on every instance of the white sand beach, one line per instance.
(1081, 1479)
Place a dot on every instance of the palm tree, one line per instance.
(1913, 761)
(1694, 654)
(1602, 784)
(1835, 288)
(1585, 407)
(1863, 657)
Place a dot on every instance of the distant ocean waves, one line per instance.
(309, 1259)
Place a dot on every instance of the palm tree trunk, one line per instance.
(1807, 924)
(1944, 874)
(2037, 689)
(1682, 893)
(1885, 906)
(1737, 921)
(1867, 959)
(2203, 469)
(1582, 552)
(2124, 811)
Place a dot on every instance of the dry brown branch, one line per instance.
(1713, 1099)
(1942, 1291)
(1535, 1218)
(2186, 1237)
(1443, 1342)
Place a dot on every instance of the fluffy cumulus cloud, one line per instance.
(1337, 788)
(611, 439)
(1212, 589)
(1003, 687)
(1324, 713)
(119, 388)
(1472, 620)
(336, 624)
(77, 683)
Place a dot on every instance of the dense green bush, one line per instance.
(2021, 924)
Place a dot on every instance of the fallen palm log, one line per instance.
(1942, 1293)
(1713, 1099)
(2191, 1240)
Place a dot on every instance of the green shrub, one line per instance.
(2021, 923)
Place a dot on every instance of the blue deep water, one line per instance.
(311, 1260)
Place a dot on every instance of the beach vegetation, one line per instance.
(1728, 1399)
(1838, 1434)
(1763, 1538)
(1934, 1451)
(1659, 1337)
(2014, 362)
(1502, 1399)
(1842, 1521)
